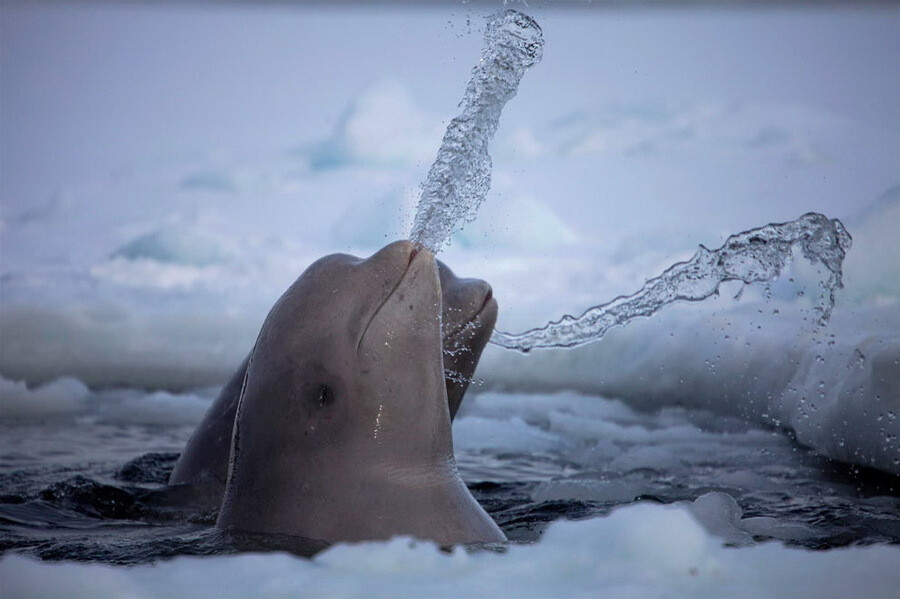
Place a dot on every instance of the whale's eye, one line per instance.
(326, 395)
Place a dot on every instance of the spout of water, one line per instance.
(460, 177)
(753, 256)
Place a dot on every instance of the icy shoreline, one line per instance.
(644, 550)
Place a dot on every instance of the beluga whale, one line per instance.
(468, 315)
(342, 430)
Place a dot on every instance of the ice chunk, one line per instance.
(383, 127)
(720, 515)
(177, 245)
(62, 397)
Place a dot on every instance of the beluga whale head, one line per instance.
(342, 430)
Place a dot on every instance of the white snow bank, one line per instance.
(872, 267)
(382, 127)
(70, 399)
(510, 222)
(645, 550)
(179, 245)
(62, 397)
(836, 389)
(106, 345)
(788, 132)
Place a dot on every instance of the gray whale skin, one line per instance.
(341, 413)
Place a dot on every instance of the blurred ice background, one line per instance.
(167, 170)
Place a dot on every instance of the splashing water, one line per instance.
(752, 256)
(460, 177)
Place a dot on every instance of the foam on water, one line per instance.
(460, 177)
(752, 256)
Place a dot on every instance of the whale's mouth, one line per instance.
(472, 322)
(415, 255)
(487, 298)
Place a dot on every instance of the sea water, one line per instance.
(87, 486)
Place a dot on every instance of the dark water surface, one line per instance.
(95, 492)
